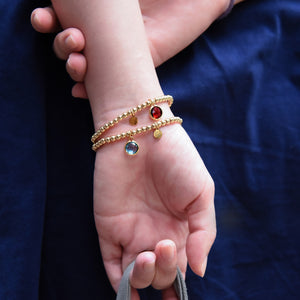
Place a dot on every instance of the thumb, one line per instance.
(202, 228)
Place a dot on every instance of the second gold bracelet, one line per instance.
(132, 147)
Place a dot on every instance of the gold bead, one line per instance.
(118, 137)
(123, 134)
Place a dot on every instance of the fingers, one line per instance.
(166, 264)
(44, 20)
(144, 270)
(202, 226)
(66, 44)
(79, 91)
(76, 66)
(158, 268)
(68, 41)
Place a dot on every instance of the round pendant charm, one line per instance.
(131, 148)
(155, 112)
(157, 134)
(133, 120)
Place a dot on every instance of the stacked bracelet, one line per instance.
(133, 119)
(132, 147)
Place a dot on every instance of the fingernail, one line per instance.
(36, 18)
(69, 62)
(149, 261)
(203, 267)
(170, 254)
(70, 43)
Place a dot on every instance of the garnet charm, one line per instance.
(155, 112)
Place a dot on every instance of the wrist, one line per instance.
(148, 116)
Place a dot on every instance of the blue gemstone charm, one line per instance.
(131, 148)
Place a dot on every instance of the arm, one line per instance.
(135, 197)
(187, 23)
(117, 73)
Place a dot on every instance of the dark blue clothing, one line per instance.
(237, 88)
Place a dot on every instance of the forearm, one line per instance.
(120, 68)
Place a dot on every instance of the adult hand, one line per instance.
(163, 192)
(170, 27)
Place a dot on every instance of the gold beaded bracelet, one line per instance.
(155, 113)
(132, 147)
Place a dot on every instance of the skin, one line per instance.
(170, 27)
(184, 213)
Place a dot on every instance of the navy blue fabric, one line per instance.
(237, 88)
(238, 91)
(48, 242)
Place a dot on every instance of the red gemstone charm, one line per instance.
(155, 112)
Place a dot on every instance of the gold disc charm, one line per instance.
(157, 134)
(133, 120)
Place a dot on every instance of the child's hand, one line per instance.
(170, 27)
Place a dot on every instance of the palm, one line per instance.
(144, 199)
